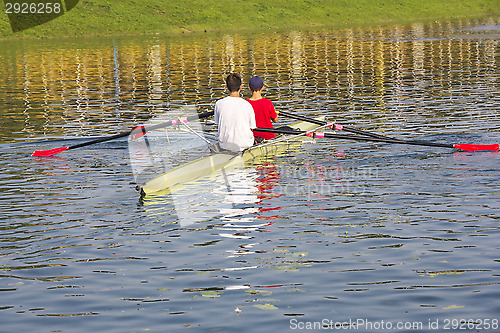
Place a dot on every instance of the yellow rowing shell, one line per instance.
(206, 165)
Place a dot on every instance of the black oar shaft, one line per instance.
(52, 152)
(124, 134)
(108, 138)
(356, 138)
(344, 128)
(401, 142)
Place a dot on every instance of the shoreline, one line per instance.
(100, 19)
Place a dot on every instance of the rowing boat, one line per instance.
(206, 165)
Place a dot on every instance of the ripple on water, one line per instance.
(337, 230)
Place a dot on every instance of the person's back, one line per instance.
(263, 109)
(235, 118)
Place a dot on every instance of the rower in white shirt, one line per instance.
(235, 118)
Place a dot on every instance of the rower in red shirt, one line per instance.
(263, 108)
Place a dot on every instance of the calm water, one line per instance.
(366, 237)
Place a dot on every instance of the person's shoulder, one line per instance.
(259, 101)
(220, 100)
(245, 104)
(224, 100)
(237, 102)
(268, 103)
(248, 104)
(244, 101)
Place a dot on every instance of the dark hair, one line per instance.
(233, 82)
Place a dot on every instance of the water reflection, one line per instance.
(402, 234)
(393, 69)
(231, 196)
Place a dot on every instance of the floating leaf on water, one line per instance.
(454, 306)
(191, 325)
(267, 306)
(434, 274)
(450, 273)
(285, 268)
(268, 300)
(211, 294)
(429, 275)
(302, 265)
(264, 292)
(296, 290)
(252, 291)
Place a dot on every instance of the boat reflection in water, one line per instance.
(229, 196)
(228, 192)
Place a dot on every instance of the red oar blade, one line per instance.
(469, 147)
(50, 152)
(137, 132)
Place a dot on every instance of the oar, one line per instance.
(337, 126)
(382, 138)
(139, 131)
(466, 147)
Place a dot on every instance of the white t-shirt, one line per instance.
(235, 119)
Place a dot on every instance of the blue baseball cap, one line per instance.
(256, 83)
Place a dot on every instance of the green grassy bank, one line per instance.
(133, 17)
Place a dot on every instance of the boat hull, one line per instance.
(206, 165)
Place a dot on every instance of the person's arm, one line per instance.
(216, 114)
(251, 116)
(274, 113)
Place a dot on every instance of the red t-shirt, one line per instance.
(264, 111)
